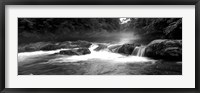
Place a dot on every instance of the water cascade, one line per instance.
(139, 51)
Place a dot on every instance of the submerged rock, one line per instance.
(165, 49)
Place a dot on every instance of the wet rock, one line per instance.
(75, 44)
(100, 47)
(165, 49)
(80, 43)
(80, 51)
(127, 49)
(66, 44)
(68, 52)
(83, 51)
(50, 47)
(114, 48)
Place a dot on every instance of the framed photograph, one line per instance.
(124, 46)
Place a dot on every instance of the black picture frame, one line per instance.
(99, 2)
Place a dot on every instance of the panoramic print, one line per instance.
(99, 46)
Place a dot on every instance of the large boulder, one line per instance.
(127, 49)
(80, 51)
(80, 43)
(68, 52)
(165, 49)
(66, 44)
(83, 51)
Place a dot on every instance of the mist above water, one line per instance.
(114, 37)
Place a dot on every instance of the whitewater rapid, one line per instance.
(27, 55)
(102, 55)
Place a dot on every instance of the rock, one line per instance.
(165, 49)
(127, 49)
(80, 51)
(68, 52)
(75, 44)
(114, 48)
(80, 43)
(100, 47)
(69, 44)
(83, 51)
(50, 47)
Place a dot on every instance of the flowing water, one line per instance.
(22, 57)
(139, 51)
(102, 62)
(103, 54)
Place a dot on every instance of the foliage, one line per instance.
(168, 28)
(51, 29)
(64, 25)
(62, 29)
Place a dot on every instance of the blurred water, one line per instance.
(101, 55)
(27, 55)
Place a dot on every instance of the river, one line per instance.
(103, 62)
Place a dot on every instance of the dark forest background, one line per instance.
(64, 29)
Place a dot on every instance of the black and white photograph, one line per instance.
(99, 46)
